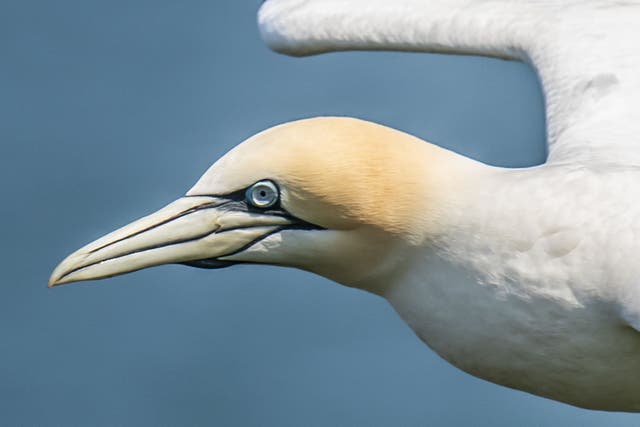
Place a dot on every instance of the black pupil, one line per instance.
(263, 193)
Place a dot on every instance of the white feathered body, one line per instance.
(524, 277)
(535, 284)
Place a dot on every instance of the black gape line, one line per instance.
(216, 204)
(215, 263)
(237, 201)
(231, 202)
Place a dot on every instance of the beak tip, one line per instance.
(59, 275)
(54, 280)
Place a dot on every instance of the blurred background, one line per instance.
(108, 111)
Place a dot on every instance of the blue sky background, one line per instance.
(109, 110)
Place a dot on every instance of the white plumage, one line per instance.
(555, 244)
(524, 277)
(585, 52)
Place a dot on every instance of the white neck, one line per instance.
(497, 297)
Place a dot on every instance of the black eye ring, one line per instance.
(263, 194)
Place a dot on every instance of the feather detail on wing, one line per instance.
(585, 52)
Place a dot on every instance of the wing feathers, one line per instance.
(585, 53)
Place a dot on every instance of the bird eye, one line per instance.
(263, 194)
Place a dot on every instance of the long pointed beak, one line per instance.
(195, 230)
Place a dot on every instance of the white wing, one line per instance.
(587, 54)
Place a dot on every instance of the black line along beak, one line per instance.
(193, 230)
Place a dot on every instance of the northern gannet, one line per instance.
(524, 277)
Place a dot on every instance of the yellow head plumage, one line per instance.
(344, 173)
(348, 192)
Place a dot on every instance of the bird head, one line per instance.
(335, 196)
